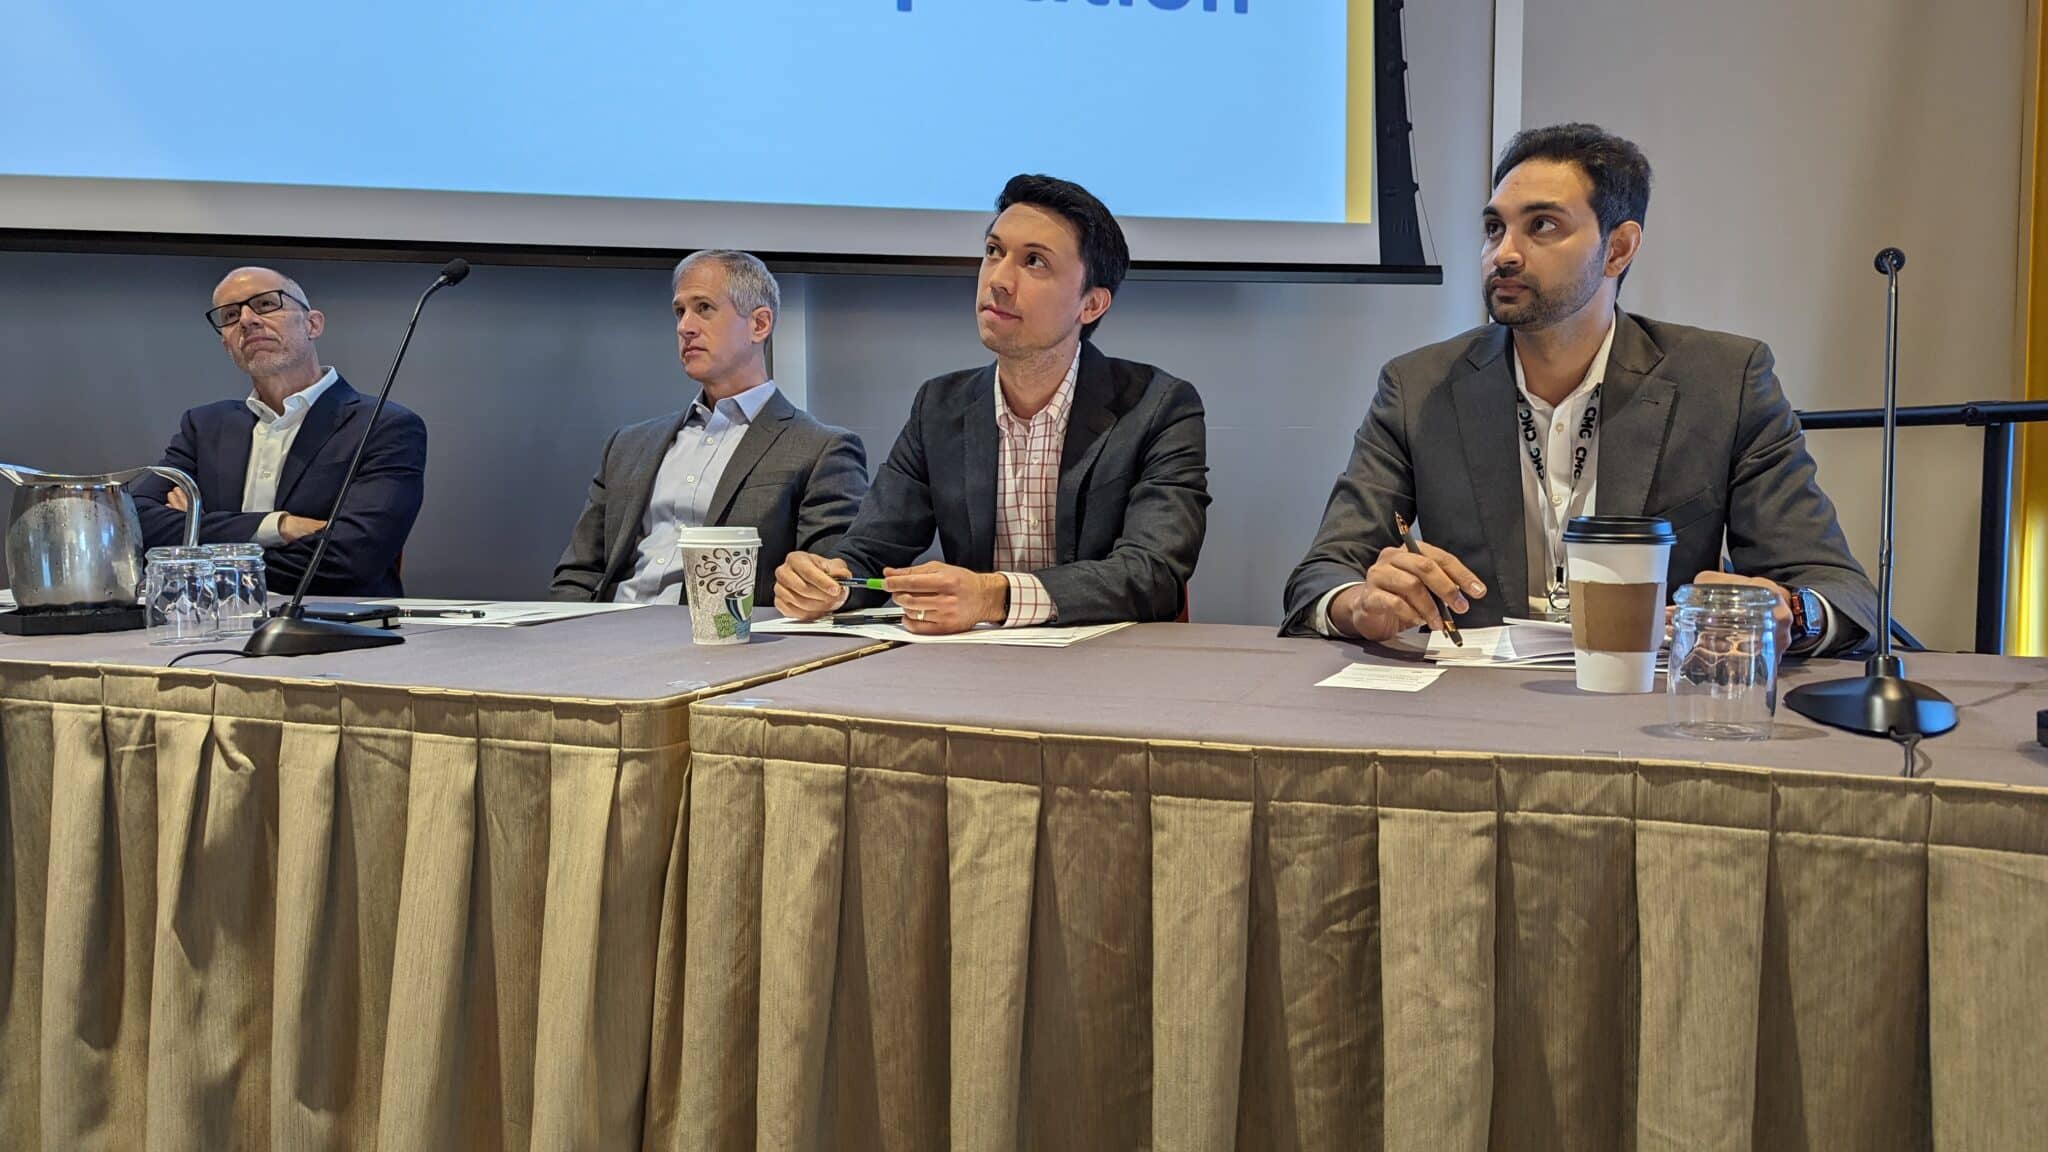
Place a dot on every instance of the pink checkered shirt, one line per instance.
(1027, 498)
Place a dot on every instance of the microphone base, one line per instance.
(297, 636)
(1882, 702)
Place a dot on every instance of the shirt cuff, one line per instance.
(1030, 603)
(270, 533)
(1320, 619)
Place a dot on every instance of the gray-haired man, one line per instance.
(739, 455)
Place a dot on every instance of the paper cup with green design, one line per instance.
(718, 580)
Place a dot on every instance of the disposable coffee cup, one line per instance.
(718, 581)
(1616, 566)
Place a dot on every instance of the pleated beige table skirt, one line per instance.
(251, 913)
(905, 935)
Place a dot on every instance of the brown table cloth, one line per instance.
(1156, 890)
(405, 898)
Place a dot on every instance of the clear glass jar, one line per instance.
(239, 592)
(1723, 683)
(179, 596)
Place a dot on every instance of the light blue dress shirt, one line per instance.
(683, 488)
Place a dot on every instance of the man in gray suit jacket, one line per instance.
(740, 455)
(1063, 485)
(1492, 440)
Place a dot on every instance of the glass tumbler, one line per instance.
(239, 592)
(179, 596)
(1723, 683)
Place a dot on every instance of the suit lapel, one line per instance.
(1636, 407)
(225, 469)
(1088, 422)
(978, 463)
(640, 466)
(761, 434)
(323, 420)
(1484, 401)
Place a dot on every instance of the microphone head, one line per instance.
(454, 271)
(1890, 260)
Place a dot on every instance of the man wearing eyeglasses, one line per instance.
(270, 465)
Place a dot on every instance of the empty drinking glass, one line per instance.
(179, 595)
(1723, 683)
(239, 592)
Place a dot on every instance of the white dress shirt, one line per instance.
(270, 441)
(1549, 504)
(683, 488)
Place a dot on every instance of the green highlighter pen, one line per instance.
(871, 583)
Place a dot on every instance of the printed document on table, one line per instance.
(498, 613)
(1046, 636)
(1515, 644)
(1380, 678)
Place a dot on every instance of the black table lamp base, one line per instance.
(1881, 702)
(297, 636)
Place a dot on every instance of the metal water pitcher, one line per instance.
(74, 543)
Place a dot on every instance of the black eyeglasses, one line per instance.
(262, 304)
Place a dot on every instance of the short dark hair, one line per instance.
(1104, 254)
(1618, 169)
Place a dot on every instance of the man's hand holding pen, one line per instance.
(1401, 592)
(808, 586)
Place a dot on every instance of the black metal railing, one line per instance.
(1999, 419)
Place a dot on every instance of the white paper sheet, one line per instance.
(873, 629)
(1515, 644)
(497, 613)
(1518, 643)
(1380, 678)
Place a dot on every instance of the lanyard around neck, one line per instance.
(1553, 521)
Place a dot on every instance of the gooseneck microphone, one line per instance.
(1882, 702)
(289, 633)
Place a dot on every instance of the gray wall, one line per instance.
(520, 373)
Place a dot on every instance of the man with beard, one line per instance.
(270, 465)
(1063, 485)
(1493, 440)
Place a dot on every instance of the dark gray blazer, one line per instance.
(796, 481)
(1693, 428)
(1133, 496)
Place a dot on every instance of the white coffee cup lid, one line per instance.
(717, 538)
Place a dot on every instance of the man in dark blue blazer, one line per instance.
(269, 466)
(1064, 486)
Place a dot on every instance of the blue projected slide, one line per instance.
(1234, 110)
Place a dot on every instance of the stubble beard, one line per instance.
(1539, 308)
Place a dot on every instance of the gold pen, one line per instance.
(1408, 541)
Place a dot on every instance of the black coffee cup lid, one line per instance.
(1619, 530)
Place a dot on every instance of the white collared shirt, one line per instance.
(270, 441)
(1548, 505)
(683, 488)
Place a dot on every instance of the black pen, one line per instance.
(879, 616)
(440, 613)
(1408, 541)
